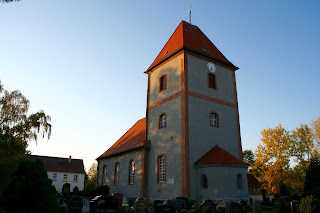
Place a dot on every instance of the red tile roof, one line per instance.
(134, 138)
(55, 164)
(218, 155)
(190, 37)
(252, 181)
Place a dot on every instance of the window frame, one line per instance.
(131, 173)
(210, 119)
(75, 178)
(164, 169)
(116, 174)
(65, 177)
(215, 81)
(163, 83)
(54, 176)
(204, 181)
(165, 120)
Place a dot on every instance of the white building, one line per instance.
(65, 173)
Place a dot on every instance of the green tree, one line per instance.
(90, 185)
(30, 190)
(17, 129)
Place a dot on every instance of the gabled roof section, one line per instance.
(55, 164)
(134, 138)
(252, 181)
(190, 37)
(217, 155)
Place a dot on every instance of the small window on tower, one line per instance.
(212, 81)
(214, 119)
(163, 83)
(162, 120)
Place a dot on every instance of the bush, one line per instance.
(196, 209)
(307, 205)
(221, 208)
(32, 189)
(102, 190)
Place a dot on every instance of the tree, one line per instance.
(272, 157)
(315, 128)
(17, 129)
(90, 185)
(92, 173)
(303, 146)
(32, 188)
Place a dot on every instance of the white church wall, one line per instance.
(198, 80)
(124, 187)
(173, 71)
(222, 183)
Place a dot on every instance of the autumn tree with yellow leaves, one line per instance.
(279, 146)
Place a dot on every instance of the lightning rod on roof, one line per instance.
(190, 14)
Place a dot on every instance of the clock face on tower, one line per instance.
(211, 67)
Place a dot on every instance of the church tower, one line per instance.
(192, 122)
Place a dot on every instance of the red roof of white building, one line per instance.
(190, 37)
(217, 155)
(134, 138)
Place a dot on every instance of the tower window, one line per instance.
(212, 81)
(214, 119)
(131, 172)
(163, 83)
(162, 120)
(104, 175)
(116, 174)
(161, 168)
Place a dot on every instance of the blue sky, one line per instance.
(83, 62)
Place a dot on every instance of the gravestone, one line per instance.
(234, 208)
(104, 204)
(207, 203)
(257, 206)
(182, 198)
(295, 206)
(141, 206)
(244, 207)
(285, 204)
(140, 198)
(157, 202)
(165, 208)
(131, 201)
(179, 204)
(119, 196)
(209, 209)
(75, 205)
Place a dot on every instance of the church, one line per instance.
(189, 143)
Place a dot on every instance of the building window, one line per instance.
(214, 119)
(239, 182)
(161, 168)
(104, 175)
(131, 171)
(204, 181)
(75, 178)
(54, 176)
(163, 83)
(162, 120)
(212, 81)
(65, 177)
(116, 174)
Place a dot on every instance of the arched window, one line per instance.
(162, 168)
(131, 171)
(116, 173)
(204, 181)
(162, 120)
(104, 175)
(214, 119)
(239, 182)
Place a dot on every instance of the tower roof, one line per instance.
(217, 155)
(190, 37)
(134, 138)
